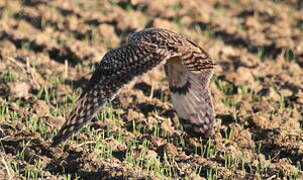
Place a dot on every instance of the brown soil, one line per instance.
(47, 53)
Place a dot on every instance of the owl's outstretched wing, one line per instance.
(189, 84)
(146, 50)
(118, 68)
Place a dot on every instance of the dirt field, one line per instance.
(48, 49)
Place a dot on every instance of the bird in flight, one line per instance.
(188, 68)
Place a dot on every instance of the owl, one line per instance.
(188, 67)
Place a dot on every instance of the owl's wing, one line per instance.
(118, 68)
(146, 50)
(190, 94)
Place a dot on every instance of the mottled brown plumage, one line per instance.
(188, 68)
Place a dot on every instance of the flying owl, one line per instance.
(187, 66)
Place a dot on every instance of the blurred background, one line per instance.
(48, 49)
